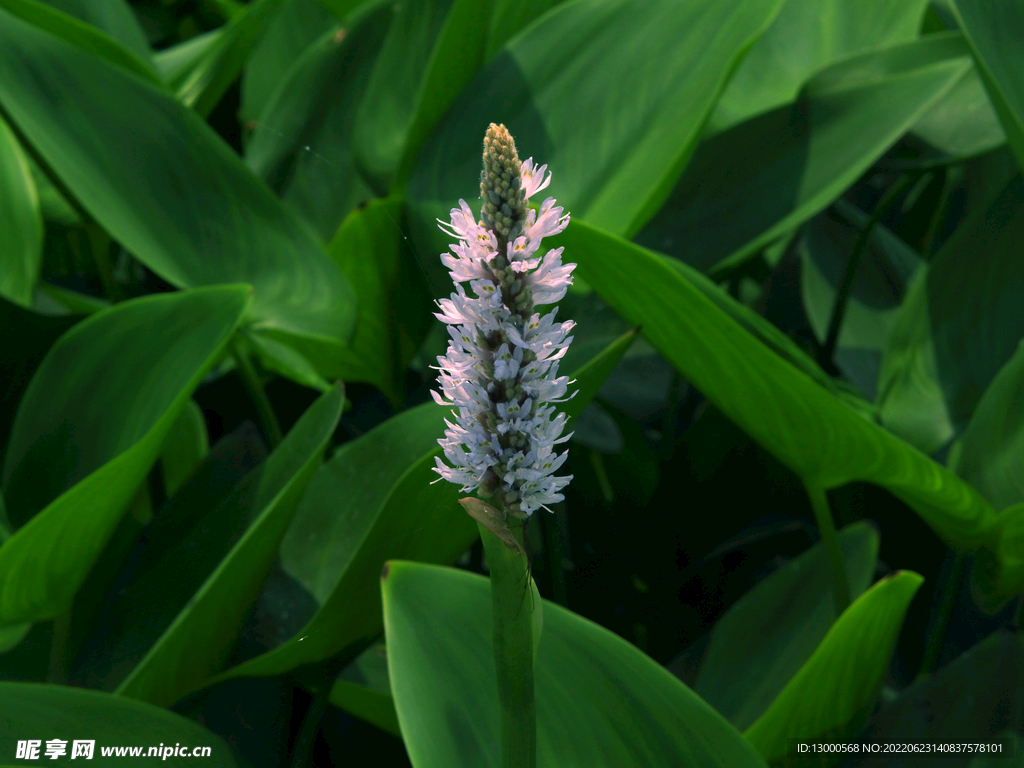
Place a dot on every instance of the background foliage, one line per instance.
(797, 509)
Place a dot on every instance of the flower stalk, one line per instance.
(500, 376)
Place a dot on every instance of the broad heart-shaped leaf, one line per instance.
(375, 499)
(160, 181)
(764, 639)
(296, 25)
(82, 452)
(301, 142)
(46, 712)
(205, 82)
(558, 87)
(87, 37)
(199, 641)
(957, 327)
(970, 700)
(992, 28)
(21, 222)
(600, 700)
(816, 434)
(805, 37)
(834, 689)
(990, 453)
(751, 184)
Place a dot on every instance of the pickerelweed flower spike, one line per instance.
(501, 370)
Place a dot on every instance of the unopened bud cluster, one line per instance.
(501, 369)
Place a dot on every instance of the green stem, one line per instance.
(846, 284)
(950, 588)
(827, 528)
(58, 672)
(514, 606)
(306, 739)
(555, 545)
(253, 385)
(6, 529)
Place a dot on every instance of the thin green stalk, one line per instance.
(846, 284)
(306, 739)
(59, 662)
(513, 605)
(827, 529)
(253, 385)
(6, 529)
(949, 589)
(555, 545)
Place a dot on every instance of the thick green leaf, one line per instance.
(198, 643)
(971, 701)
(990, 455)
(373, 500)
(962, 123)
(21, 222)
(432, 51)
(997, 574)
(115, 17)
(764, 639)
(29, 336)
(160, 181)
(560, 86)
(510, 16)
(54, 300)
(755, 182)
(185, 446)
(806, 36)
(175, 62)
(816, 434)
(82, 452)
(287, 361)
(45, 712)
(837, 684)
(600, 701)
(301, 141)
(393, 305)
(183, 545)
(958, 326)
(205, 83)
(879, 284)
(756, 325)
(364, 689)
(993, 29)
(297, 25)
(83, 35)
(389, 101)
